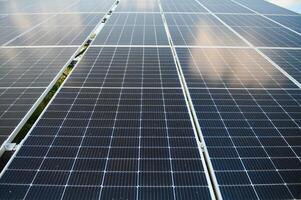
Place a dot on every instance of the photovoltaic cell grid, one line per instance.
(24, 76)
(14, 104)
(106, 142)
(133, 29)
(253, 139)
(127, 67)
(262, 32)
(289, 60)
(200, 30)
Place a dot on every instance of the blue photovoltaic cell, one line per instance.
(289, 60)
(112, 142)
(262, 32)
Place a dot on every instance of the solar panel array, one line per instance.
(38, 39)
(195, 99)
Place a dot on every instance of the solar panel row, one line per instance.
(35, 49)
(119, 129)
(121, 126)
(247, 110)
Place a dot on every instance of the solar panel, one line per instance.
(200, 30)
(111, 142)
(134, 29)
(196, 99)
(25, 73)
(288, 59)
(262, 32)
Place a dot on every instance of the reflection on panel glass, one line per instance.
(12, 26)
(229, 68)
(138, 6)
(60, 29)
(225, 6)
(182, 6)
(200, 29)
(262, 32)
(54, 6)
(31, 67)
